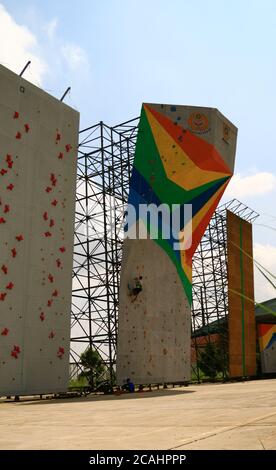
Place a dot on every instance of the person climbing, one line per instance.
(136, 287)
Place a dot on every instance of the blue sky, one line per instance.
(115, 54)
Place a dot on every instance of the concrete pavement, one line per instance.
(211, 416)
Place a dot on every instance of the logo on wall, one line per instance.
(199, 123)
(226, 133)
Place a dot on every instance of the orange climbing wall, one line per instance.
(38, 137)
(242, 329)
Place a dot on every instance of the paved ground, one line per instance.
(224, 416)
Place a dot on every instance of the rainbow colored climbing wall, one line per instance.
(267, 344)
(38, 147)
(184, 156)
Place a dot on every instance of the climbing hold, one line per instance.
(68, 147)
(10, 286)
(51, 278)
(3, 296)
(42, 316)
(13, 252)
(5, 331)
(52, 223)
(54, 202)
(49, 303)
(19, 238)
(58, 263)
(3, 171)
(10, 187)
(18, 135)
(62, 249)
(60, 156)
(2, 220)
(48, 189)
(6, 208)
(16, 115)
(51, 335)
(4, 269)
(47, 234)
(45, 216)
(27, 127)
(55, 293)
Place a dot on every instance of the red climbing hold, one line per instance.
(60, 156)
(3, 296)
(5, 331)
(19, 238)
(10, 187)
(13, 252)
(51, 335)
(3, 171)
(4, 269)
(48, 189)
(58, 137)
(42, 316)
(2, 220)
(52, 223)
(10, 164)
(6, 208)
(58, 263)
(45, 216)
(16, 115)
(18, 135)
(54, 202)
(68, 147)
(60, 352)
(51, 278)
(55, 293)
(15, 352)
(27, 127)
(47, 234)
(49, 303)
(62, 249)
(8, 158)
(10, 286)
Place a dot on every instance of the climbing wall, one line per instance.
(38, 147)
(184, 155)
(267, 344)
(241, 317)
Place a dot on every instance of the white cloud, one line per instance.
(266, 255)
(18, 45)
(253, 185)
(50, 28)
(75, 56)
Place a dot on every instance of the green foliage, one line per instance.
(93, 367)
(212, 360)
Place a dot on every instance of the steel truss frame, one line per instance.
(104, 167)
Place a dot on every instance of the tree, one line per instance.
(212, 360)
(93, 366)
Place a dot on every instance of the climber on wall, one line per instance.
(135, 287)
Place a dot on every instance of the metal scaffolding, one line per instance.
(104, 166)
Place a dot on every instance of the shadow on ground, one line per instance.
(124, 396)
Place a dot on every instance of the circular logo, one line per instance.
(199, 123)
(226, 133)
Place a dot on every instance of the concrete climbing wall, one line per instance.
(184, 155)
(241, 318)
(38, 148)
(267, 344)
